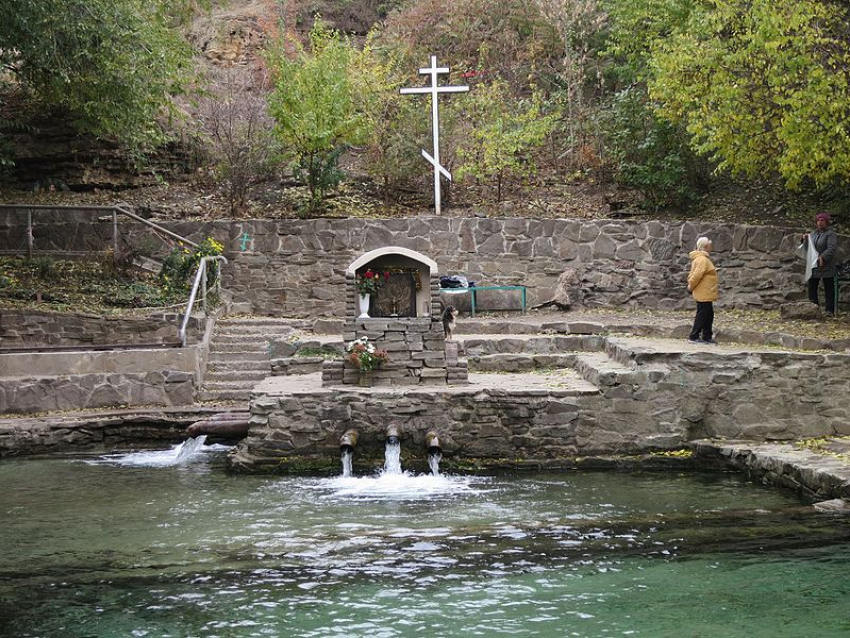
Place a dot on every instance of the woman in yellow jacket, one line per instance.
(702, 283)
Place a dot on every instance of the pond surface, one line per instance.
(120, 547)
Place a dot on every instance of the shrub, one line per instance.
(649, 153)
(175, 276)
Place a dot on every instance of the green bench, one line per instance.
(473, 293)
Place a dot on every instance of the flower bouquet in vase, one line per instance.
(366, 357)
(367, 285)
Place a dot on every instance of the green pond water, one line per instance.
(117, 548)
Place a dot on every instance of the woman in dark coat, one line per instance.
(825, 243)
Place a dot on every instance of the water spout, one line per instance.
(434, 463)
(188, 449)
(432, 442)
(393, 435)
(346, 458)
(392, 450)
(435, 452)
(348, 441)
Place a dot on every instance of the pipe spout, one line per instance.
(393, 435)
(348, 441)
(432, 442)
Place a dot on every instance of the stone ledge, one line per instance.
(817, 475)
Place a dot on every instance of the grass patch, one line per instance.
(65, 285)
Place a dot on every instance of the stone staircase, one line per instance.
(239, 356)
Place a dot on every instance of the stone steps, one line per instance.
(242, 384)
(220, 376)
(248, 339)
(599, 369)
(239, 356)
(519, 362)
(258, 346)
(296, 365)
(487, 344)
(254, 322)
(216, 396)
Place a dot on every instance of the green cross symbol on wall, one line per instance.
(245, 239)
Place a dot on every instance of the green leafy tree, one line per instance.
(113, 65)
(504, 134)
(649, 153)
(395, 128)
(636, 28)
(761, 86)
(315, 106)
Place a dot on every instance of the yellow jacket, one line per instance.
(702, 280)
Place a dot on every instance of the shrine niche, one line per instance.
(393, 312)
(408, 285)
(397, 295)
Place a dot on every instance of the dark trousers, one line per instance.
(703, 321)
(828, 289)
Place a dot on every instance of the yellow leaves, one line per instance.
(675, 454)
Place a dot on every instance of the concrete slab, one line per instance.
(556, 382)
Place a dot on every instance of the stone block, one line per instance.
(433, 373)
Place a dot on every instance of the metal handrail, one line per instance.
(120, 207)
(200, 283)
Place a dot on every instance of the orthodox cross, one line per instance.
(245, 239)
(433, 71)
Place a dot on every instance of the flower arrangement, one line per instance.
(369, 282)
(365, 355)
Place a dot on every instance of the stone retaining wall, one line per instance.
(759, 395)
(535, 424)
(816, 475)
(27, 328)
(79, 380)
(297, 267)
(647, 400)
(105, 431)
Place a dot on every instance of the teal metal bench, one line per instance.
(473, 293)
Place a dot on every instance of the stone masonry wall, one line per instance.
(416, 348)
(26, 328)
(646, 401)
(471, 424)
(81, 380)
(297, 267)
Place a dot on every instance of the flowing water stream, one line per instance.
(119, 548)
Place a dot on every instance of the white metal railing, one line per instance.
(200, 284)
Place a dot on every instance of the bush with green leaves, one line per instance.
(759, 86)
(112, 65)
(179, 267)
(504, 135)
(650, 154)
(315, 108)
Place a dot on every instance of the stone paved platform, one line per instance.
(555, 382)
(823, 474)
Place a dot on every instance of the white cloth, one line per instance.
(807, 251)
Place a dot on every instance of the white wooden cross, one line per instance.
(433, 71)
